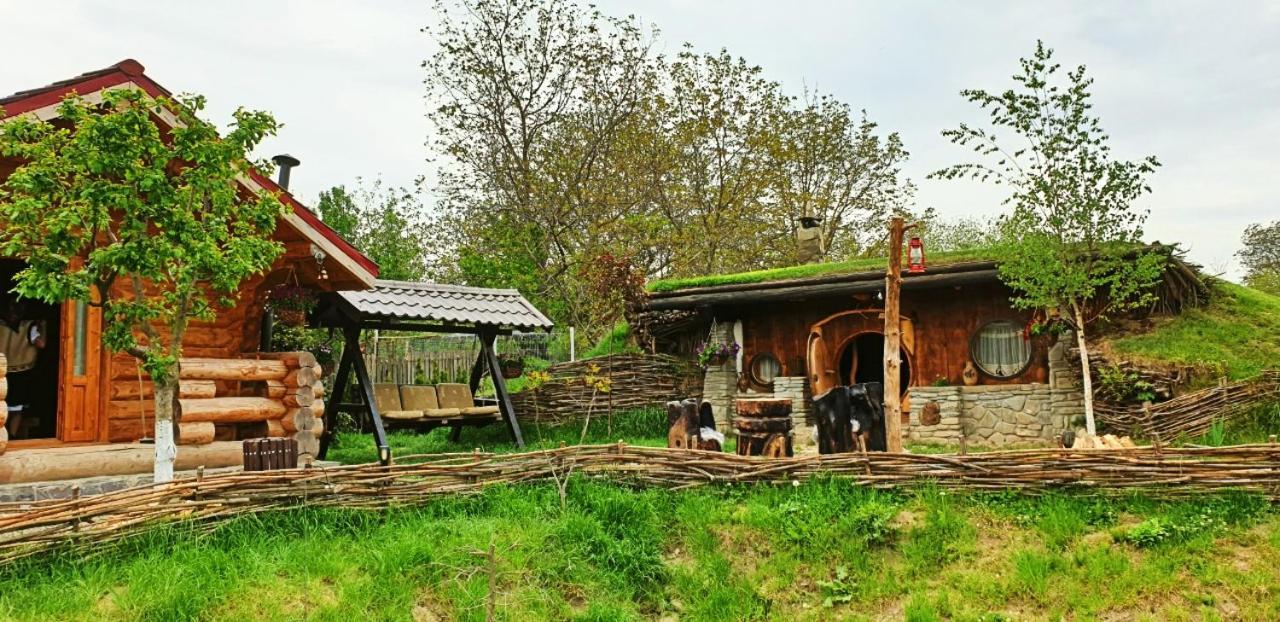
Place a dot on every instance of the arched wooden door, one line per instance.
(829, 337)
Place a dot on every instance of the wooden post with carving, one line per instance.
(893, 339)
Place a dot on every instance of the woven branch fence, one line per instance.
(1191, 414)
(635, 381)
(89, 525)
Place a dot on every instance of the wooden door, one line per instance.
(80, 369)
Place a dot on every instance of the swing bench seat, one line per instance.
(446, 404)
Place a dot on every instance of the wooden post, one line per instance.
(487, 338)
(893, 339)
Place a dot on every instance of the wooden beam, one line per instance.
(893, 339)
(500, 387)
(366, 391)
(339, 389)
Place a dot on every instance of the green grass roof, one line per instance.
(1237, 333)
(852, 266)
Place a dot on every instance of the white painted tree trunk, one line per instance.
(1085, 374)
(166, 448)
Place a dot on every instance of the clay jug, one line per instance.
(970, 374)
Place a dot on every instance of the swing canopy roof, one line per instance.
(434, 307)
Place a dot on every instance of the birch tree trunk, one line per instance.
(1086, 373)
(166, 392)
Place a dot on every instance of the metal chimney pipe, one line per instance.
(809, 239)
(285, 162)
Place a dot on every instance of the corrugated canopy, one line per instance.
(447, 305)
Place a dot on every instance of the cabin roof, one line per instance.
(853, 269)
(42, 102)
(451, 305)
(819, 285)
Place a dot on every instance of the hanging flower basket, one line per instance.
(512, 368)
(290, 303)
(716, 354)
(290, 317)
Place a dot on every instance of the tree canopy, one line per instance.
(1072, 242)
(568, 141)
(1261, 256)
(387, 224)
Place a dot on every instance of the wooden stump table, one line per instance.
(764, 427)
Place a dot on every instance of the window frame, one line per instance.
(973, 347)
(751, 369)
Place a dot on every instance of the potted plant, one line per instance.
(714, 354)
(511, 361)
(290, 304)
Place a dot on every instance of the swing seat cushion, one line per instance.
(402, 415)
(459, 396)
(418, 397)
(421, 399)
(387, 399)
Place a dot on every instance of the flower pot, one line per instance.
(717, 360)
(290, 317)
(512, 369)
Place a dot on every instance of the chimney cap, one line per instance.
(285, 159)
(809, 222)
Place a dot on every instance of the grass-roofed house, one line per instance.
(972, 364)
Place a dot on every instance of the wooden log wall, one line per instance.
(944, 321)
(272, 394)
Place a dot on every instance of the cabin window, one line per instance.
(764, 368)
(1001, 349)
(80, 346)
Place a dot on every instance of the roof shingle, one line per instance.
(447, 304)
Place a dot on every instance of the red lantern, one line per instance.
(915, 256)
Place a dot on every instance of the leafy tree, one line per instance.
(959, 234)
(834, 166)
(148, 223)
(387, 224)
(565, 138)
(1261, 256)
(1072, 243)
(528, 98)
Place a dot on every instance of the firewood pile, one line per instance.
(89, 524)
(1191, 414)
(633, 381)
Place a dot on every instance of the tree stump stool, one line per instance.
(763, 426)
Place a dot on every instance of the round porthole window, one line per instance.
(1001, 349)
(764, 368)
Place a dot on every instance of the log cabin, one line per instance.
(93, 405)
(975, 371)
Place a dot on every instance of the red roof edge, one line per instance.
(312, 219)
(130, 70)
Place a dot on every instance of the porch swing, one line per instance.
(430, 308)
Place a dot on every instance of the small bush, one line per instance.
(1184, 521)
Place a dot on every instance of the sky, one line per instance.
(1195, 83)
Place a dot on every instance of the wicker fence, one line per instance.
(1191, 414)
(633, 380)
(90, 524)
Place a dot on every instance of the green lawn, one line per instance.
(823, 550)
(1237, 334)
(808, 270)
(637, 427)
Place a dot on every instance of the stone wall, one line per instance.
(991, 415)
(720, 382)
